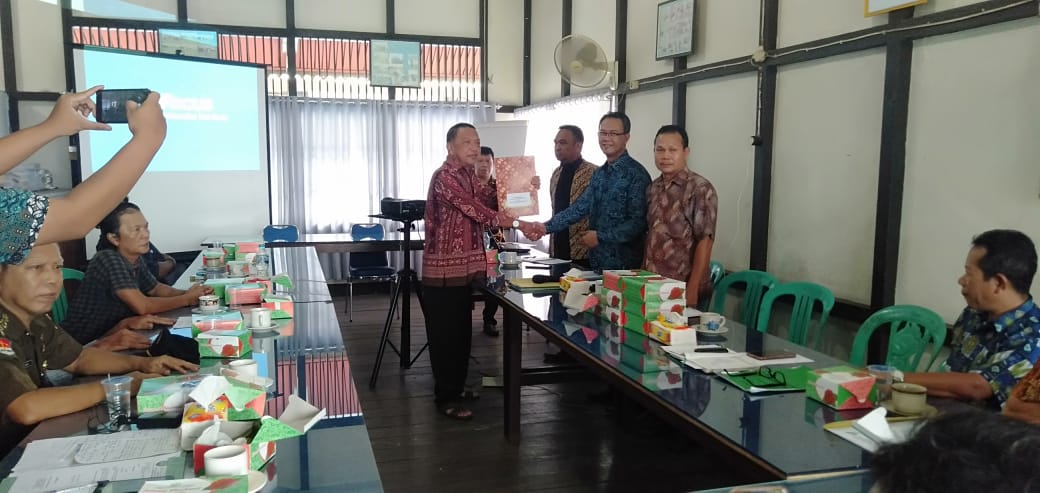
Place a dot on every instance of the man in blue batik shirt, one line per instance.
(615, 203)
(996, 340)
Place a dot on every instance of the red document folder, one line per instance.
(515, 192)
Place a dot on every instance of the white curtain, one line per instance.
(333, 160)
(543, 123)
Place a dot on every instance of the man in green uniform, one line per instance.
(31, 343)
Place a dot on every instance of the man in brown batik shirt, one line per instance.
(681, 211)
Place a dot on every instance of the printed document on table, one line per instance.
(69, 477)
(95, 449)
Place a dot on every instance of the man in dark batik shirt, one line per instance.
(615, 203)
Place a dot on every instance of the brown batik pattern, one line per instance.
(681, 211)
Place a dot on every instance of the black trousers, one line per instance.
(449, 329)
(490, 308)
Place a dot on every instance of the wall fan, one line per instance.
(583, 63)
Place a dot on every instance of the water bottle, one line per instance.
(263, 263)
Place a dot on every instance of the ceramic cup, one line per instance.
(712, 321)
(209, 303)
(260, 317)
(237, 268)
(508, 258)
(909, 398)
(228, 460)
(246, 367)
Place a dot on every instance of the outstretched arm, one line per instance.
(72, 216)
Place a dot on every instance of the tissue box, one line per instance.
(245, 294)
(281, 305)
(197, 418)
(163, 393)
(630, 321)
(220, 343)
(666, 334)
(261, 434)
(492, 256)
(612, 278)
(651, 309)
(266, 283)
(655, 288)
(842, 387)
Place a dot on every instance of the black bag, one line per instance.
(180, 347)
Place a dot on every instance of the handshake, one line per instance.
(533, 231)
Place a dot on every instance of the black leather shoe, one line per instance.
(490, 330)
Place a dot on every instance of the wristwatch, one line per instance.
(516, 223)
(897, 376)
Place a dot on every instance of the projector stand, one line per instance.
(403, 293)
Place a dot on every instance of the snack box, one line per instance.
(654, 289)
(281, 305)
(221, 343)
(245, 294)
(612, 278)
(651, 309)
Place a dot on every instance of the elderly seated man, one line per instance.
(996, 339)
(31, 343)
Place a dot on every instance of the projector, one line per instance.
(402, 210)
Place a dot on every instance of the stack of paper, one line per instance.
(61, 463)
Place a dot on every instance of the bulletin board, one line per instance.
(675, 21)
(876, 7)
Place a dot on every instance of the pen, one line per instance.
(545, 267)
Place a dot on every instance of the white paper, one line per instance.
(300, 415)
(67, 477)
(518, 199)
(93, 449)
(548, 261)
(901, 432)
(183, 322)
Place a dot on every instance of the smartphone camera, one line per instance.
(111, 103)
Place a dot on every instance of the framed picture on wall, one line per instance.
(675, 22)
(395, 63)
(877, 7)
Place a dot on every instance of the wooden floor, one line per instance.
(569, 443)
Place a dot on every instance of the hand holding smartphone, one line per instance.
(111, 103)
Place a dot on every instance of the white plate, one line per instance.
(218, 311)
(257, 481)
(702, 330)
(269, 327)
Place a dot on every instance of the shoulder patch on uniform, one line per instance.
(5, 347)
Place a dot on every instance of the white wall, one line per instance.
(825, 161)
(720, 118)
(39, 57)
(341, 15)
(261, 13)
(805, 20)
(648, 111)
(442, 17)
(154, 10)
(546, 27)
(505, 52)
(972, 150)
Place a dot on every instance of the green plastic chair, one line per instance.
(806, 296)
(756, 284)
(715, 272)
(911, 329)
(61, 305)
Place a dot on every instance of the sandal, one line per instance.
(457, 412)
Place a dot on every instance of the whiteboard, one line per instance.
(875, 7)
(505, 138)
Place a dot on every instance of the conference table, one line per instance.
(779, 436)
(304, 356)
(392, 241)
